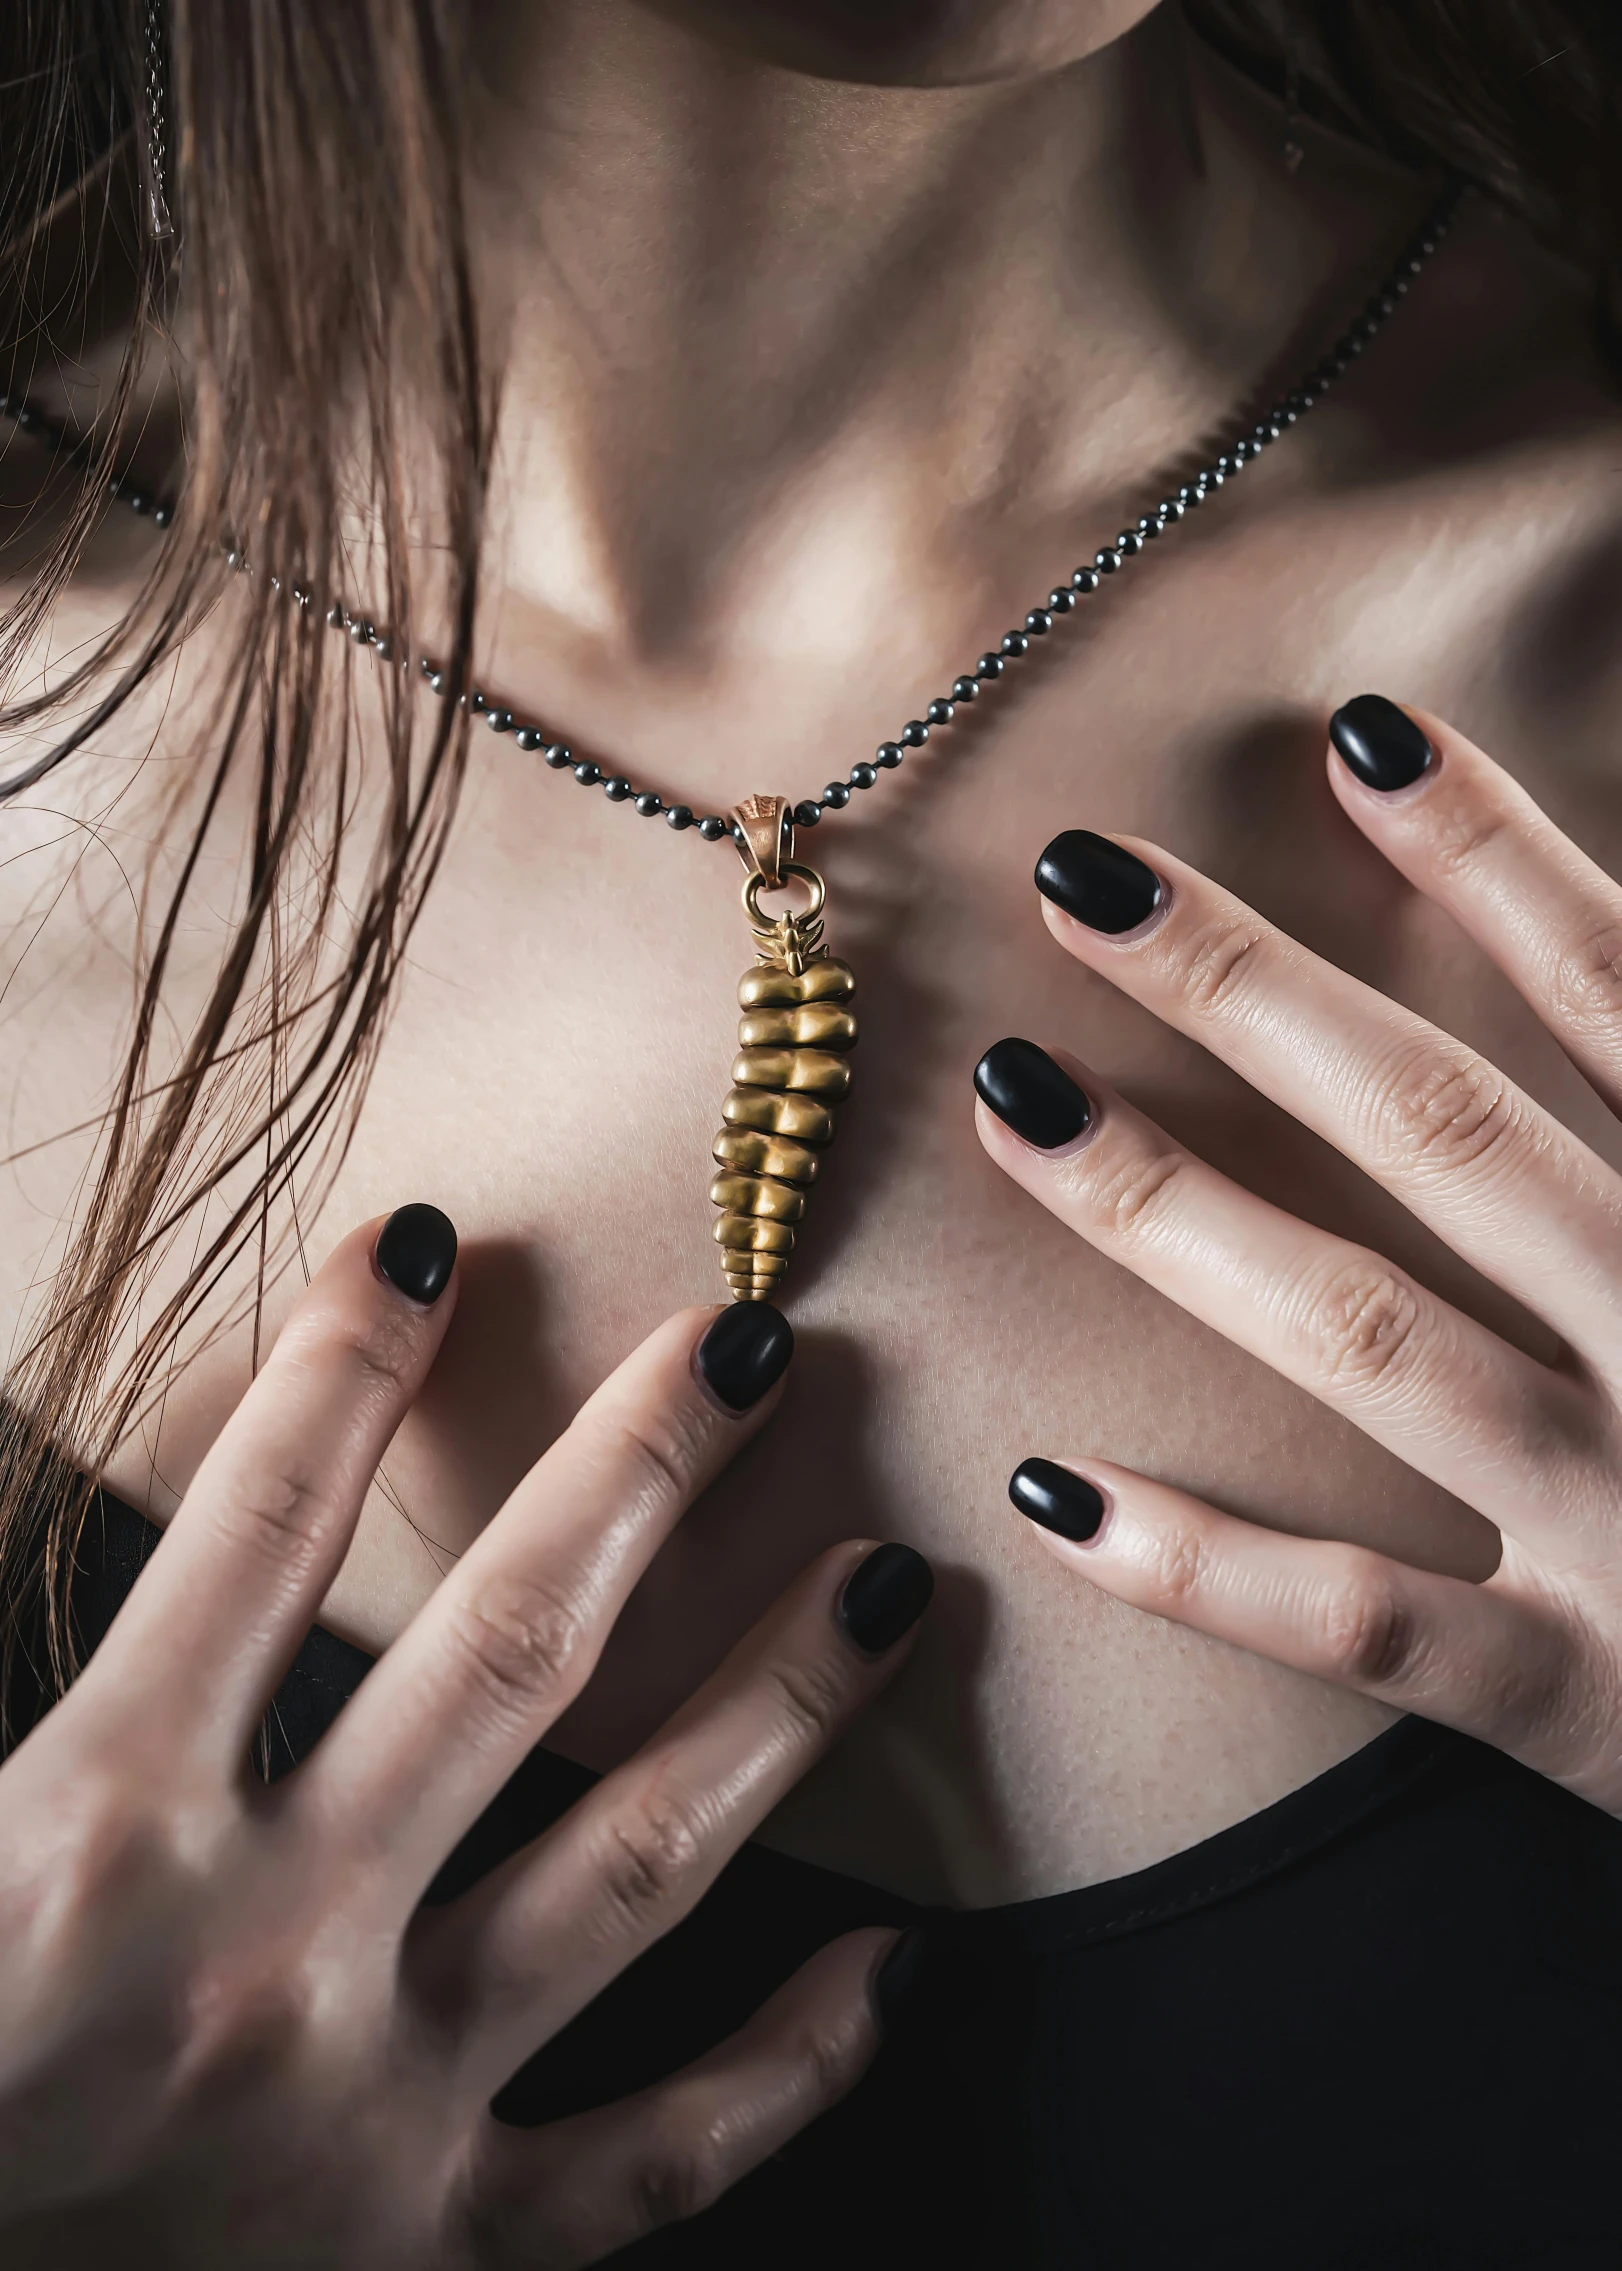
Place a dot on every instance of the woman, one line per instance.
(1266, 1878)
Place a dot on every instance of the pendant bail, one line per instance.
(764, 834)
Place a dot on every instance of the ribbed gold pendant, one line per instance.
(790, 1071)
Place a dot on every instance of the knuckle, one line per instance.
(1464, 831)
(684, 2172)
(382, 1356)
(279, 1515)
(1128, 1193)
(654, 1460)
(1178, 1568)
(813, 1698)
(653, 1853)
(107, 1856)
(1365, 1628)
(1586, 989)
(1443, 1110)
(377, 1351)
(1215, 963)
(242, 2032)
(1363, 1328)
(689, 2163)
(522, 1642)
(187, 2017)
(831, 2060)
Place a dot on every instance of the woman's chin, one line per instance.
(912, 43)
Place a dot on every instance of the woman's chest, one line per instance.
(554, 1078)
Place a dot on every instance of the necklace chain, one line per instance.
(1062, 602)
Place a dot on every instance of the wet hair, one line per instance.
(299, 231)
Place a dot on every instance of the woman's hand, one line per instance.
(229, 2032)
(1530, 1660)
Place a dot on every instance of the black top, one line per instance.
(1377, 2025)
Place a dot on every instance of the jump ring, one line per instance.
(755, 883)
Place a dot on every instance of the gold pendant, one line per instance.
(790, 1070)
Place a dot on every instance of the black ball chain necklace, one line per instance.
(797, 1028)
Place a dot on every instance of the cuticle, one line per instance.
(718, 1404)
(1095, 1113)
(1078, 1545)
(706, 1392)
(1075, 1146)
(1412, 789)
(1146, 929)
(1070, 1150)
(1152, 921)
(381, 1277)
(1108, 1496)
(1385, 799)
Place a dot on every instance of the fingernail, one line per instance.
(884, 1597)
(745, 1352)
(416, 1252)
(895, 1979)
(1103, 886)
(1067, 1504)
(1379, 743)
(1031, 1094)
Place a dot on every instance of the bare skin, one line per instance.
(814, 387)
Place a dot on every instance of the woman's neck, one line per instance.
(791, 366)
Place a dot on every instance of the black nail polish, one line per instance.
(1031, 1094)
(745, 1352)
(1379, 743)
(1102, 885)
(896, 1979)
(1061, 1502)
(416, 1252)
(884, 1597)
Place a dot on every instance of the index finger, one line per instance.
(220, 1611)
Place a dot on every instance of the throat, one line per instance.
(775, 348)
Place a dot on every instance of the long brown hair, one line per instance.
(298, 230)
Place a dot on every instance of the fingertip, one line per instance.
(894, 1977)
(1030, 1094)
(1101, 884)
(742, 1353)
(1059, 1500)
(883, 1598)
(415, 1253)
(1381, 746)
